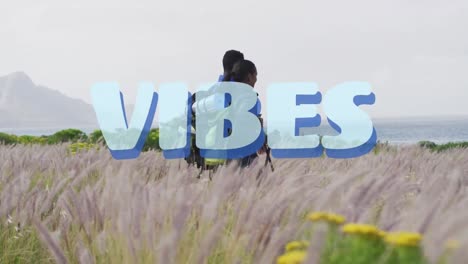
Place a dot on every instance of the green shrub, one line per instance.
(443, 147)
(96, 137)
(73, 136)
(67, 135)
(152, 141)
(427, 144)
(8, 139)
(452, 145)
(26, 139)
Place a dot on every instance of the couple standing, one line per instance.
(236, 69)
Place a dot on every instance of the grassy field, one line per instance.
(85, 207)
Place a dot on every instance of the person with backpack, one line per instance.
(238, 70)
(245, 71)
(229, 59)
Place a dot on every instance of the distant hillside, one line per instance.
(26, 105)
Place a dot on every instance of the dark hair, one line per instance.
(240, 71)
(230, 58)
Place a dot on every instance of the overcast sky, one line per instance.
(414, 53)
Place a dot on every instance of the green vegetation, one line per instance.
(356, 243)
(67, 135)
(32, 140)
(152, 141)
(96, 136)
(8, 139)
(88, 208)
(19, 245)
(78, 138)
(443, 147)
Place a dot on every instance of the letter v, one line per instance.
(123, 141)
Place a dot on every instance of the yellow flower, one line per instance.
(452, 244)
(296, 245)
(293, 257)
(76, 147)
(317, 216)
(382, 234)
(362, 229)
(327, 217)
(403, 239)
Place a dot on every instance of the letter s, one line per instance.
(357, 134)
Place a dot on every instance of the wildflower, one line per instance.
(327, 217)
(76, 147)
(293, 257)
(403, 239)
(362, 229)
(296, 245)
(452, 244)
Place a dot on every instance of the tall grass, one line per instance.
(89, 208)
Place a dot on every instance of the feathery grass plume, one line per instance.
(51, 243)
(21, 245)
(451, 246)
(153, 210)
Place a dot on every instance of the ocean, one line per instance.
(412, 130)
(438, 130)
(393, 131)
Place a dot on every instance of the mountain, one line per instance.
(26, 105)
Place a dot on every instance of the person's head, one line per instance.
(230, 58)
(243, 71)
